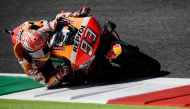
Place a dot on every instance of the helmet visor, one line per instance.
(43, 52)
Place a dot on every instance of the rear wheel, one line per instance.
(133, 60)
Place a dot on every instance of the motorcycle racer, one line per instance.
(33, 51)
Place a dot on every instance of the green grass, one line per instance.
(26, 104)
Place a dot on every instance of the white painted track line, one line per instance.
(12, 74)
(99, 93)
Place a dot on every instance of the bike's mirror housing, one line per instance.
(110, 26)
(9, 32)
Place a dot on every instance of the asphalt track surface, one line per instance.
(160, 28)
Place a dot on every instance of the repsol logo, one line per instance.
(77, 38)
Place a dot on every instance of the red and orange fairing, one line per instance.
(86, 41)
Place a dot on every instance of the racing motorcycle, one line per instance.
(88, 44)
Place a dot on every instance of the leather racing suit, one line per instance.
(50, 73)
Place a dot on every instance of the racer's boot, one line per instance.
(61, 75)
(52, 82)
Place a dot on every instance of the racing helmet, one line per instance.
(35, 43)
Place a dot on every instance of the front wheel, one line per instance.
(133, 60)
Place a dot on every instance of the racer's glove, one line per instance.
(84, 11)
(60, 17)
(63, 14)
(31, 72)
(37, 76)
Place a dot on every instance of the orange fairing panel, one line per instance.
(29, 23)
(65, 52)
(76, 22)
